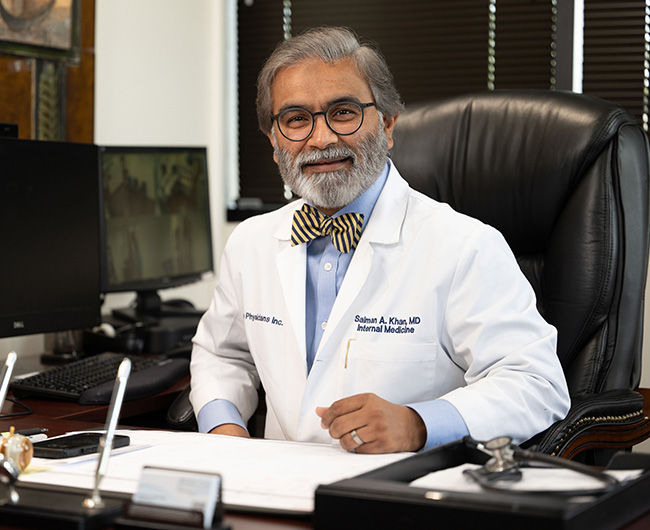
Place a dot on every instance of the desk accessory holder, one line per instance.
(383, 498)
(8, 476)
(170, 499)
(39, 507)
(141, 516)
(9, 470)
(106, 441)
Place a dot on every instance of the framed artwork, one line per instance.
(47, 29)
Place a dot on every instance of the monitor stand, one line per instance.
(164, 326)
(149, 308)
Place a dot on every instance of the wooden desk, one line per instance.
(60, 417)
(56, 414)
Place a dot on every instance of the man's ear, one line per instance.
(389, 124)
(270, 137)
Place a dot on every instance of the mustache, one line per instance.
(311, 157)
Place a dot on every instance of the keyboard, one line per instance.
(90, 381)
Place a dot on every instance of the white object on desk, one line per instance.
(6, 376)
(106, 441)
(267, 474)
(533, 479)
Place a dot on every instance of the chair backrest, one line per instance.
(564, 177)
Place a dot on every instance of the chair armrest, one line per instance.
(180, 414)
(612, 420)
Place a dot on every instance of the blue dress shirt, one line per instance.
(326, 268)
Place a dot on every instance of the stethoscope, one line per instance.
(506, 460)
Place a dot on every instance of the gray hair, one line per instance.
(330, 44)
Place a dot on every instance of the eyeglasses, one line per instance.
(344, 118)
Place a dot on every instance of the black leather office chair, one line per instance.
(564, 177)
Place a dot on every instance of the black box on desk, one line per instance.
(383, 498)
(160, 335)
(169, 333)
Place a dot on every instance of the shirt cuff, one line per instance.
(442, 420)
(218, 412)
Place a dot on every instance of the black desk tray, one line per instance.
(42, 507)
(382, 498)
(142, 516)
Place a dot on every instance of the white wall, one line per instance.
(159, 81)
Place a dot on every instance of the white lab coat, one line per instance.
(433, 305)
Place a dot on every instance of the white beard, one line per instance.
(334, 189)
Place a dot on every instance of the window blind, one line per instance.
(524, 44)
(434, 48)
(614, 49)
(437, 48)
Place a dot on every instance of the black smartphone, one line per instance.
(75, 444)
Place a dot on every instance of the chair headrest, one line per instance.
(508, 157)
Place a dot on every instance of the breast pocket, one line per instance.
(398, 372)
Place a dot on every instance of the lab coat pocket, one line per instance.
(398, 372)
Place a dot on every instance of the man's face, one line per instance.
(325, 168)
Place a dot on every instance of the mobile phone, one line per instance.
(75, 444)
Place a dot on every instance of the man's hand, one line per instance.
(231, 430)
(382, 426)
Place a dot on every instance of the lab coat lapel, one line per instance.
(383, 229)
(292, 269)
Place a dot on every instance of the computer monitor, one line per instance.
(49, 237)
(155, 227)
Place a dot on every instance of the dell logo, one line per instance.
(19, 324)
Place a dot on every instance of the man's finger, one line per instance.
(340, 408)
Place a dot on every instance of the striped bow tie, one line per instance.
(310, 223)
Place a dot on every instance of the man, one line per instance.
(418, 333)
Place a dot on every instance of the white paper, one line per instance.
(533, 479)
(266, 474)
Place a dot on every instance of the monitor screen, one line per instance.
(156, 219)
(49, 240)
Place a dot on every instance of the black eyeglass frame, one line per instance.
(323, 113)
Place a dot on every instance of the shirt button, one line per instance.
(323, 325)
(328, 266)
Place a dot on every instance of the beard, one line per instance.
(335, 189)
